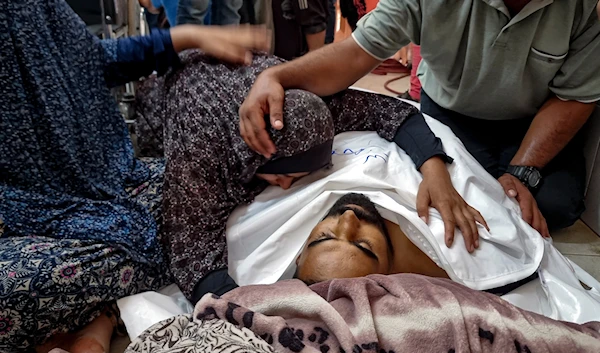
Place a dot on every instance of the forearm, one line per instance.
(326, 71)
(187, 37)
(315, 41)
(129, 59)
(551, 130)
(435, 167)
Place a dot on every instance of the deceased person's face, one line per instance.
(351, 241)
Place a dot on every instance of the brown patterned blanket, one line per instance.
(381, 314)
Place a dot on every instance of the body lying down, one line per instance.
(303, 231)
(286, 232)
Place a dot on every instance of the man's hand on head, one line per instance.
(529, 208)
(436, 190)
(323, 72)
(265, 98)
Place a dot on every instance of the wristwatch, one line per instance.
(530, 176)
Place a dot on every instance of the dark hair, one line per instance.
(368, 214)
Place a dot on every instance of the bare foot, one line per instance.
(94, 338)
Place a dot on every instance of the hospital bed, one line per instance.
(557, 293)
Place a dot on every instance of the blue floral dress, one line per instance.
(78, 212)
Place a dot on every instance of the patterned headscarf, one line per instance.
(210, 169)
(65, 152)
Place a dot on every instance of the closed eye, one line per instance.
(367, 252)
(325, 237)
(321, 238)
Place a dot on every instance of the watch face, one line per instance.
(534, 178)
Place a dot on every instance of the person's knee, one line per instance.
(561, 207)
(200, 5)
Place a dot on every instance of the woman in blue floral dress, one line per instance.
(78, 212)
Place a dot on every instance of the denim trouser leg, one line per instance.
(151, 19)
(226, 12)
(192, 11)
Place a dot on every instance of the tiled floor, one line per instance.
(376, 83)
(578, 243)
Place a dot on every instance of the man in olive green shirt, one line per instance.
(514, 79)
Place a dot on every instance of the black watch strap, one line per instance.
(518, 171)
(530, 176)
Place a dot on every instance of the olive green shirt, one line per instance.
(481, 62)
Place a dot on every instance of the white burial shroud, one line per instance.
(265, 237)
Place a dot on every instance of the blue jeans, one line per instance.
(192, 11)
(151, 19)
(226, 12)
(221, 12)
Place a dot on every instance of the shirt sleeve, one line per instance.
(392, 25)
(418, 141)
(311, 15)
(579, 76)
(132, 58)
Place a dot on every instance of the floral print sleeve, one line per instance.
(354, 110)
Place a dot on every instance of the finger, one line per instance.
(243, 128)
(449, 224)
(255, 122)
(276, 110)
(248, 138)
(526, 209)
(509, 187)
(465, 228)
(540, 224)
(253, 37)
(251, 140)
(536, 221)
(423, 202)
(235, 54)
(545, 230)
(261, 39)
(473, 224)
(479, 218)
(263, 141)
